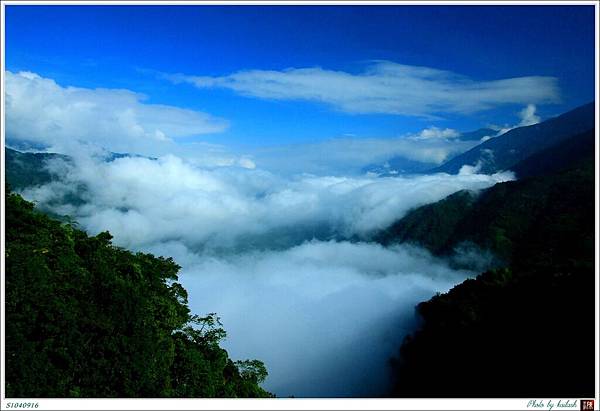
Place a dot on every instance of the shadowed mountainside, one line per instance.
(525, 329)
(505, 151)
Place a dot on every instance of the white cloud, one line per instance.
(384, 87)
(326, 317)
(437, 133)
(487, 157)
(40, 110)
(246, 163)
(144, 201)
(528, 116)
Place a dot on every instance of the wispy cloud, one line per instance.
(384, 87)
(40, 110)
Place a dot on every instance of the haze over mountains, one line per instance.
(403, 165)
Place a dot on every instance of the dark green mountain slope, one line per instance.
(432, 226)
(526, 330)
(87, 319)
(497, 218)
(494, 219)
(28, 169)
(505, 151)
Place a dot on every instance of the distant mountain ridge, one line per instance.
(477, 135)
(29, 169)
(398, 165)
(505, 151)
(401, 165)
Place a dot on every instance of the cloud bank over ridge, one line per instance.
(143, 201)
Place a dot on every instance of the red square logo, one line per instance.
(586, 405)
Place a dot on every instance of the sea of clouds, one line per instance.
(285, 261)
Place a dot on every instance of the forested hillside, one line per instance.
(497, 219)
(87, 319)
(500, 217)
(524, 330)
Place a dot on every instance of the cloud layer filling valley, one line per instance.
(272, 256)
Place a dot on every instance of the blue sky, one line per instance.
(141, 48)
(273, 114)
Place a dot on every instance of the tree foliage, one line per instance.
(87, 319)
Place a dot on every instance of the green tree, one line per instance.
(87, 319)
